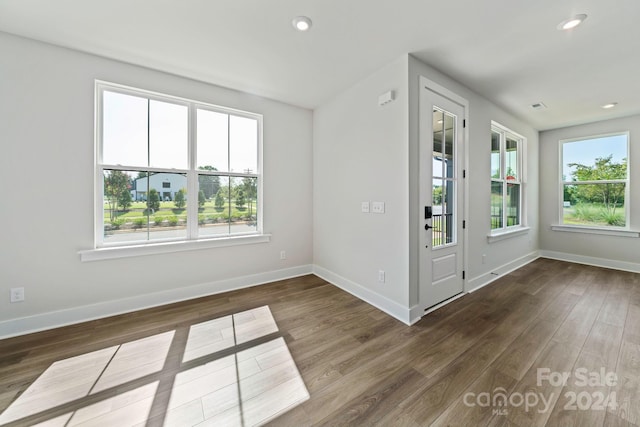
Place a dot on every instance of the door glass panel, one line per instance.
(449, 138)
(448, 207)
(443, 182)
(438, 137)
(437, 217)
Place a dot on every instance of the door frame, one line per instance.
(425, 83)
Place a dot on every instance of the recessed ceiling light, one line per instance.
(572, 22)
(609, 105)
(301, 23)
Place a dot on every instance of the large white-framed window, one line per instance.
(594, 181)
(507, 179)
(170, 169)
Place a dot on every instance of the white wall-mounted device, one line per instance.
(386, 98)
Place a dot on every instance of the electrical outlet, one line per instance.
(283, 255)
(381, 276)
(365, 207)
(377, 207)
(17, 295)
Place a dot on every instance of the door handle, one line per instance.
(427, 227)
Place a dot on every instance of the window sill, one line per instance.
(621, 232)
(502, 235)
(169, 247)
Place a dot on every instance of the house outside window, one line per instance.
(507, 179)
(173, 169)
(594, 180)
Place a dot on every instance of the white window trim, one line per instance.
(625, 231)
(522, 228)
(502, 234)
(103, 250)
(612, 231)
(155, 248)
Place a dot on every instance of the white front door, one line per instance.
(441, 197)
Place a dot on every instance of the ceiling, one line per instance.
(509, 51)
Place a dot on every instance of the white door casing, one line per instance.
(442, 199)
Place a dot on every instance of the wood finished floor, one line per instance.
(358, 365)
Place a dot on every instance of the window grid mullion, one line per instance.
(597, 182)
(192, 173)
(192, 177)
(504, 134)
(597, 222)
(142, 169)
(503, 156)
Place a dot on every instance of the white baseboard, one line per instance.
(484, 279)
(597, 262)
(55, 319)
(390, 307)
(416, 313)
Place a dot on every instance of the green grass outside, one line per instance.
(168, 209)
(593, 215)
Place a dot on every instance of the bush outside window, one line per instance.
(594, 190)
(174, 169)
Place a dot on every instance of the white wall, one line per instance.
(364, 152)
(361, 154)
(46, 165)
(611, 251)
(503, 255)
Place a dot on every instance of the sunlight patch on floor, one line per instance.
(80, 376)
(225, 332)
(246, 386)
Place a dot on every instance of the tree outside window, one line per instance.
(174, 169)
(595, 181)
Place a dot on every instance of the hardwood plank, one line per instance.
(470, 409)
(612, 420)
(604, 341)
(555, 358)
(525, 349)
(632, 324)
(439, 355)
(358, 365)
(627, 388)
(427, 403)
(577, 326)
(567, 411)
(614, 309)
(377, 401)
